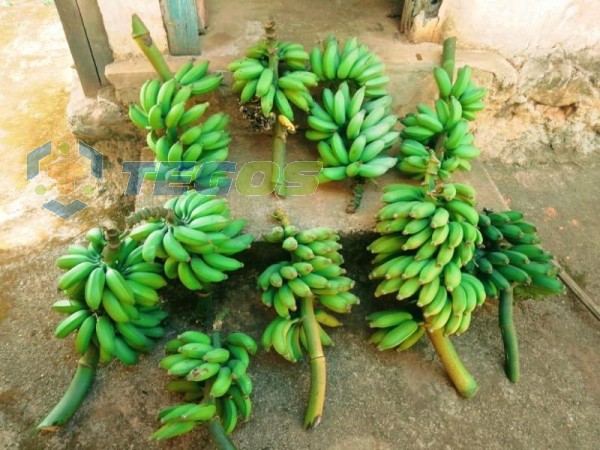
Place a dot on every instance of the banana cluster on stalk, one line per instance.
(352, 62)
(278, 86)
(110, 305)
(510, 255)
(314, 271)
(352, 134)
(196, 237)
(212, 376)
(445, 126)
(175, 135)
(427, 239)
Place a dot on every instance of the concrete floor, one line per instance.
(375, 401)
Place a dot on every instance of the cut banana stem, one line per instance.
(358, 189)
(111, 250)
(142, 37)
(218, 435)
(217, 432)
(68, 404)
(463, 381)
(509, 336)
(318, 370)
(279, 150)
(449, 56)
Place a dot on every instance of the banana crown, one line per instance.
(274, 75)
(211, 375)
(113, 306)
(447, 123)
(352, 133)
(510, 255)
(175, 135)
(314, 271)
(195, 239)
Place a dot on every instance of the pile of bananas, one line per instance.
(428, 237)
(510, 255)
(175, 135)
(111, 304)
(445, 126)
(257, 77)
(213, 381)
(352, 62)
(352, 134)
(314, 272)
(195, 236)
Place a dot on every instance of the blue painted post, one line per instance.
(181, 22)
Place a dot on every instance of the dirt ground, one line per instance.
(375, 400)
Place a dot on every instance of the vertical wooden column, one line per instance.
(87, 39)
(182, 24)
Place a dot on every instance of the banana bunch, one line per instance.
(212, 377)
(176, 137)
(448, 121)
(352, 134)
(463, 90)
(255, 79)
(510, 255)
(395, 329)
(314, 272)
(427, 238)
(352, 62)
(111, 306)
(162, 106)
(196, 238)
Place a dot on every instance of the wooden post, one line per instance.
(181, 22)
(86, 36)
(202, 24)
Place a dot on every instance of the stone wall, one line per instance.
(512, 27)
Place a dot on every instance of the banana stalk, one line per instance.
(463, 381)
(318, 371)
(68, 404)
(217, 432)
(154, 212)
(509, 335)
(279, 130)
(458, 373)
(279, 151)
(449, 56)
(448, 61)
(142, 37)
(111, 233)
(358, 190)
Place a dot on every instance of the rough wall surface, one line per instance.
(514, 26)
(117, 21)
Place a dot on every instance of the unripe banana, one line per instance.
(442, 79)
